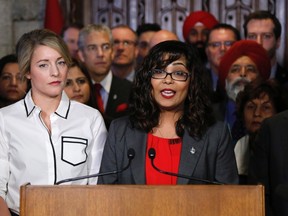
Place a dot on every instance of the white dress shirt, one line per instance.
(131, 76)
(30, 153)
(242, 155)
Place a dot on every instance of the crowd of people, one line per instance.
(212, 107)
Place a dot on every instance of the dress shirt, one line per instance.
(30, 153)
(131, 76)
(273, 71)
(214, 78)
(242, 155)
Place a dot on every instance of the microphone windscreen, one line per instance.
(151, 153)
(131, 153)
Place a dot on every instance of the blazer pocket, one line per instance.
(74, 150)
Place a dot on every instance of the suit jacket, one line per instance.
(211, 158)
(269, 163)
(118, 100)
(281, 75)
(218, 97)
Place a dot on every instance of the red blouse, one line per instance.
(167, 158)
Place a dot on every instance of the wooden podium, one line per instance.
(178, 200)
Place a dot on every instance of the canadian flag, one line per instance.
(53, 16)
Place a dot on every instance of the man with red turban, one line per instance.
(195, 29)
(244, 62)
(235, 69)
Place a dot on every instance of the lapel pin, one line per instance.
(193, 150)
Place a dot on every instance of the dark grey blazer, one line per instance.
(269, 163)
(212, 157)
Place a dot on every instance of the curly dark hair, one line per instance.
(258, 89)
(197, 114)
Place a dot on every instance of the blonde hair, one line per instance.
(30, 41)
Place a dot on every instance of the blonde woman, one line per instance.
(46, 137)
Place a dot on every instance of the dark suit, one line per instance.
(118, 99)
(281, 75)
(269, 162)
(218, 96)
(212, 159)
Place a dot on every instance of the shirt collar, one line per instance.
(131, 76)
(106, 82)
(62, 109)
(273, 71)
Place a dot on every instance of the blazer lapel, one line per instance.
(112, 98)
(285, 147)
(190, 153)
(137, 140)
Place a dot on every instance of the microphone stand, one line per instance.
(130, 155)
(152, 155)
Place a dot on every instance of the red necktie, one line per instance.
(99, 100)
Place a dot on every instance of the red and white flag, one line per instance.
(53, 16)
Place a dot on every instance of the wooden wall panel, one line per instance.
(170, 14)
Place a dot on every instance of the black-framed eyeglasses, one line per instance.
(175, 75)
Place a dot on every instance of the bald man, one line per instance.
(160, 36)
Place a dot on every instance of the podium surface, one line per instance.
(196, 200)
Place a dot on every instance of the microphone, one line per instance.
(130, 155)
(152, 155)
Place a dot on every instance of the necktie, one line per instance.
(99, 100)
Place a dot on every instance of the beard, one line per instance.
(202, 54)
(234, 87)
(200, 46)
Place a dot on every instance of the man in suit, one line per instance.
(264, 28)
(268, 163)
(219, 40)
(96, 52)
(126, 50)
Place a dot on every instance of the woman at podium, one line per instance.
(171, 129)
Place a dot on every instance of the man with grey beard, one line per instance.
(235, 86)
(244, 62)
